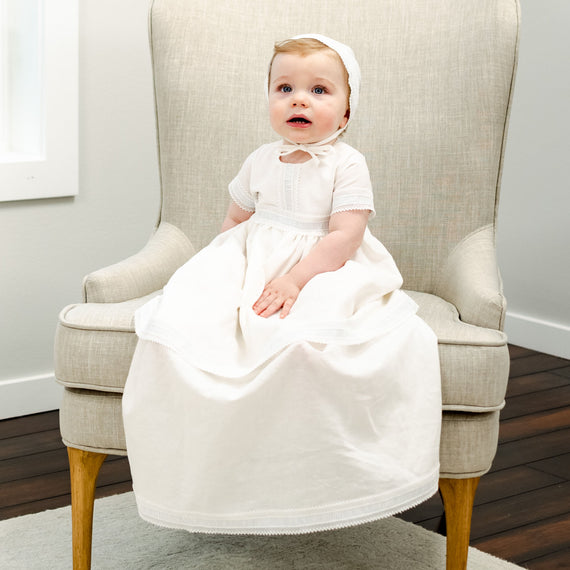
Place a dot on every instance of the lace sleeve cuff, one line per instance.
(240, 196)
(353, 202)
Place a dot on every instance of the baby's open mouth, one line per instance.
(299, 121)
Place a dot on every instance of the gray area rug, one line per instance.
(121, 540)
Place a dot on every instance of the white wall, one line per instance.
(534, 220)
(47, 246)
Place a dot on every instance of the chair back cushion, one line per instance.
(436, 84)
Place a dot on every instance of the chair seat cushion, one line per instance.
(95, 343)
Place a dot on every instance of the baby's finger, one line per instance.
(267, 291)
(260, 306)
(262, 301)
(266, 305)
(272, 308)
(286, 308)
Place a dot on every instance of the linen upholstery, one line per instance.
(94, 417)
(143, 273)
(95, 344)
(470, 280)
(437, 80)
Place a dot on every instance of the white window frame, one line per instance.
(52, 171)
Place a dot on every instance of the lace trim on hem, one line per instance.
(337, 516)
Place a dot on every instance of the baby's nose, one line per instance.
(299, 100)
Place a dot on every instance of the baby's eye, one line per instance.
(285, 88)
(318, 90)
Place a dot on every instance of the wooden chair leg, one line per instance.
(84, 467)
(458, 496)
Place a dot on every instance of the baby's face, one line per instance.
(308, 96)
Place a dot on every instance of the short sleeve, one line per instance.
(353, 188)
(240, 186)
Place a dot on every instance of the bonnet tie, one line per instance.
(316, 150)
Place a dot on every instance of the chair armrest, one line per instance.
(143, 273)
(470, 280)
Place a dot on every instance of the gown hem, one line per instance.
(292, 524)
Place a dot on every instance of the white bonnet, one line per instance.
(348, 59)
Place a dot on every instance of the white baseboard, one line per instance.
(543, 336)
(30, 395)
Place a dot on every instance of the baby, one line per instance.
(309, 104)
(238, 421)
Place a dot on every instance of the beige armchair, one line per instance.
(437, 86)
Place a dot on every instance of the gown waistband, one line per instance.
(282, 219)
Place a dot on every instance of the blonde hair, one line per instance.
(305, 47)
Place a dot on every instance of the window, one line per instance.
(38, 99)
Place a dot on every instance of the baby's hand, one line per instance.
(280, 293)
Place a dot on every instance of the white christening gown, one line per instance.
(327, 418)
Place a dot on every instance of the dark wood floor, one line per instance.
(522, 510)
